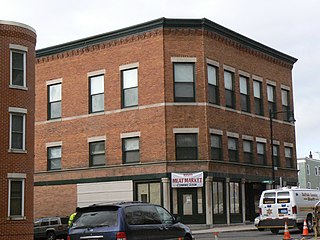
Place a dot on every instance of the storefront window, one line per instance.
(218, 205)
(149, 192)
(234, 197)
(200, 201)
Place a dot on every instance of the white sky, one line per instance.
(290, 26)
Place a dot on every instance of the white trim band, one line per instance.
(216, 131)
(213, 62)
(54, 81)
(130, 134)
(17, 110)
(97, 139)
(184, 59)
(54, 144)
(128, 66)
(185, 130)
(17, 175)
(96, 73)
(18, 47)
(233, 135)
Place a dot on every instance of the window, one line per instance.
(213, 86)
(229, 88)
(131, 150)
(234, 197)
(233, 149)
(218, 203)
(316, 171)
(276, 156)
(285, 104)
(309, 185)
(184, 88)
(54, 99)
(308, 169)
(129, 87)
(16, 198)
(54, 158)
(17, 131)
(18, 68)
(257, 92)
(149, 192)
(96, 94)
(261, 148)
(186, 146)
(288, 156)
(97, 153)
(271, 92)
(247, 151)
(244, 93)
(216, 147)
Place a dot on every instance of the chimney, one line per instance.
(310, 155)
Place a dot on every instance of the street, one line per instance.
(245, 235)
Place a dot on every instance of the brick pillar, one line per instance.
(166, 192)
(209, 216)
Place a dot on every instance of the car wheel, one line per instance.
(51, 236)
(274, 230)
(187, 238)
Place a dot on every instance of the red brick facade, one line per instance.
(153, 50)
(17, 164)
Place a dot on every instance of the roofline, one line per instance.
(166, 23)
(18, 25)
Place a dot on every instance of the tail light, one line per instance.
(68, 238)
(294, 210)
(260, 211)
(121, 236)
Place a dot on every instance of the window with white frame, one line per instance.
(54, 157)
(54, 101)
(16, 195)
(96, 93)
(17, 128)
(18, 68)
(184, 83)
(129, 87)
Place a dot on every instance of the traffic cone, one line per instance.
(215, 234)
(286, 235)
(305, 231)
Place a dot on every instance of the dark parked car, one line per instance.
(51, 228)
(127, 221)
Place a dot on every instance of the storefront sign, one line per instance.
(182, 180)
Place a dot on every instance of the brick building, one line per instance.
(171, 111)
(17, 105)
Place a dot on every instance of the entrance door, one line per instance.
(188, 206)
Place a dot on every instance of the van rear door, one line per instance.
(269, 206)
(284, 204)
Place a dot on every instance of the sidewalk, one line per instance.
(198, 229)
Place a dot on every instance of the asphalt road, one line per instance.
(248, 235)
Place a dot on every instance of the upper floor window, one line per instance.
(129, 87)
(17, 130)
(229, 88)
(258, 103)
(96, 93)
(285, 104)
(233, 149)
(54, 101)
(97, 153)
(308, 169)
(18, 68)
(244, 92)
(276, 160)
(131, 150)
(186, 146)
(247, 151)
(54, 158)
(316, 173)
(216, 147)
(271, 92)
(184, 84)
(16, 198)
(288, 156)
(213, 87)
(261, 149)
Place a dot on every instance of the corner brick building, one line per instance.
(17, 106)
(171, 111)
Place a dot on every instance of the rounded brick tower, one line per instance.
(17, 106)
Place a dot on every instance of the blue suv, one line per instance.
(127, 221)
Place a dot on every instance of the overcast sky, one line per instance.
(290, 26)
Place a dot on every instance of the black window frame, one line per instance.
(50, 103)
(13, 69)
(286, 108)
(213, 89)
(272, 105)
(190, 149)
(92, 154)
(230, 93)
(92, 95)
(245, 97)
(247, 155)
(177, 83)
(16, 198)
(49, 160)
(276, 157)
(125, 152)
(289, 160)
(216, 151)
(261, 158)
(258, 101)
(124, 90)
(17, 134)
(233, 155)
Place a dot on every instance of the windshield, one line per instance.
(105, 217)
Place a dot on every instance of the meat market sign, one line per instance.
(182, 180)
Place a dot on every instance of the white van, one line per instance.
(291, 205)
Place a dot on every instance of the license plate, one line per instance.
(283, 210)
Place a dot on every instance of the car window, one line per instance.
(54, 221)
(37, 223)
(64, 220)
(45, 222)
(165, 216)
(142, 215)
(106, 217)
